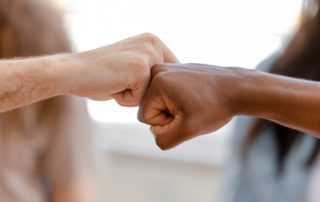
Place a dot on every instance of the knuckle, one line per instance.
(151, 38)
(158, 69)
(138, 62)
(152, 53)
(160, 79)
(161, 82)
(140, 65)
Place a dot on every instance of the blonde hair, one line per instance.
(32, 28)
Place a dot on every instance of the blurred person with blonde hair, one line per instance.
(46, 149)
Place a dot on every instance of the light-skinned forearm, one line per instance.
(24, 81)
(294, 103)
(120, 70)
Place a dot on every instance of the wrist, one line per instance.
(60, 71)
(246, 84)
(253, 92)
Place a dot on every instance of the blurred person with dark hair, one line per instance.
(46, 149)
(273, 158)
(268, 161)
(184, 101)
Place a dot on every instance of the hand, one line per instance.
(184, 101)
(120, 70)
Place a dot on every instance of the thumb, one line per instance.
(131, 97)
(153, 110)
(167, 123)
(171, 134)
(168, 128)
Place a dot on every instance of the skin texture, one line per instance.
(120, 70)
(188, 100)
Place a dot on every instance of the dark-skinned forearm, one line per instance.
(294, 103)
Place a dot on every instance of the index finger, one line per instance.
(168, 55)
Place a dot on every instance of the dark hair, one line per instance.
(301, 59)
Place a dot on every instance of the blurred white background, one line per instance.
(220, 32)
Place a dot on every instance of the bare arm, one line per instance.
(185, 101)
(25, 81)
(120, 70)
(294, 103)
